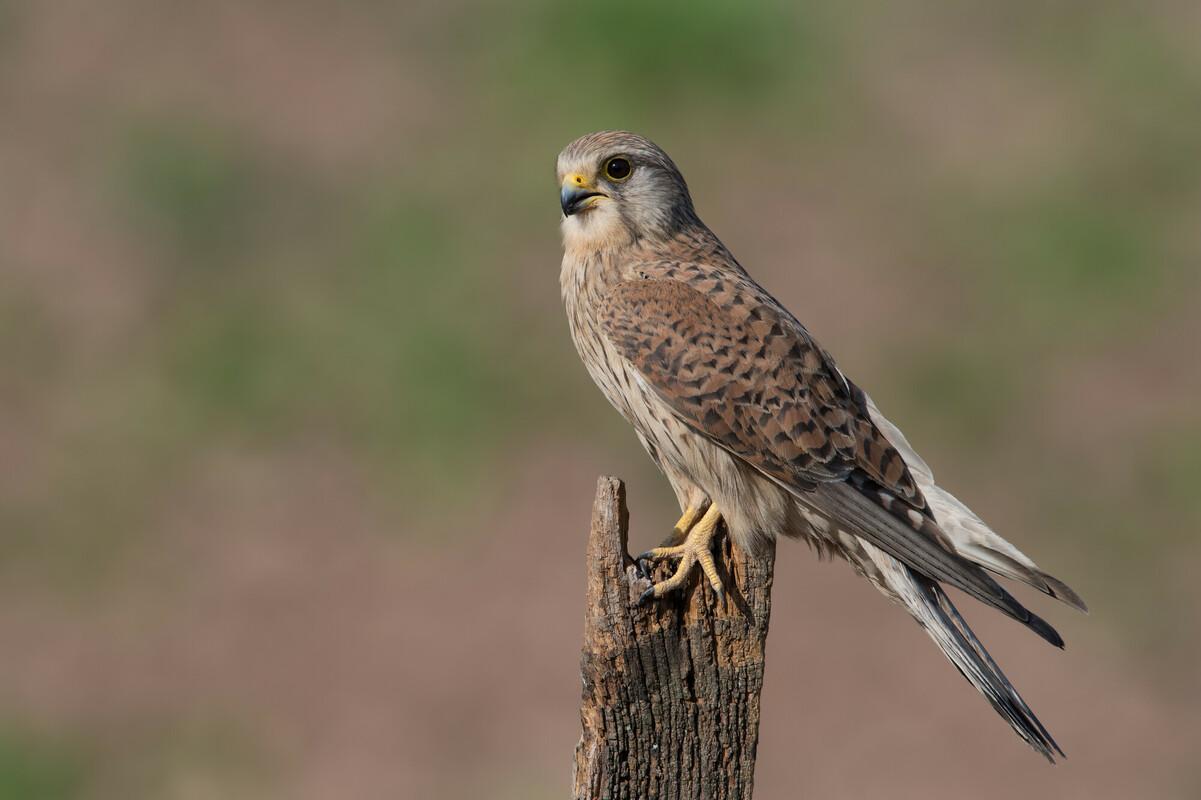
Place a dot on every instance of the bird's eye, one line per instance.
(618, 169)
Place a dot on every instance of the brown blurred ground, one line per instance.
(280, 519)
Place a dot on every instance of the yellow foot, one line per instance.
(668, 547)
(695, 550)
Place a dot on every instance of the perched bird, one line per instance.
(753, 423)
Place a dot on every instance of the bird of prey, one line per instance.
(754, 424)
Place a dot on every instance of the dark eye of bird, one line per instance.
(618, 169)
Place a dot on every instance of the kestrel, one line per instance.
(753, 423)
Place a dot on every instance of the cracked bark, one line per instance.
(670, 691)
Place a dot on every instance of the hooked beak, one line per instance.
(575, 194)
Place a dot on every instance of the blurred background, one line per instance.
(296, 457)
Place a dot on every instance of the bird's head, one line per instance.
(616, 188)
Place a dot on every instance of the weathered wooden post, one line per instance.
(670, 690)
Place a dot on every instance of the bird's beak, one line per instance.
(575, 194)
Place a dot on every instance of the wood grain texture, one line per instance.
(670, 691)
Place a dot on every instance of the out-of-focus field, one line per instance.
(296, 457)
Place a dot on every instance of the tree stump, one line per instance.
(670, 690)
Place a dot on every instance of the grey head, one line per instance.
(617, 185)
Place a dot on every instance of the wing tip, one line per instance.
(1005, 564)
(1064, 593)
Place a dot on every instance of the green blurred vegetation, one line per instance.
(33, 767)
(193, 189)
(630, 58)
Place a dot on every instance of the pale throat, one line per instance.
(599, 230)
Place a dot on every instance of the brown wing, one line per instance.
(752, 379)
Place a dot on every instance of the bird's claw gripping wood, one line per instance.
(679, 533)
(696, 549)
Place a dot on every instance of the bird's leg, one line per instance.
(680, 532)
(667, 548)
(694, 550)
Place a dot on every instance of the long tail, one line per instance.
(935, 612)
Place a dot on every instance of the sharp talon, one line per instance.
(721, 595)
(646, 597)
(643, 566)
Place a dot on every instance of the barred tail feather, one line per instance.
(937, 615)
